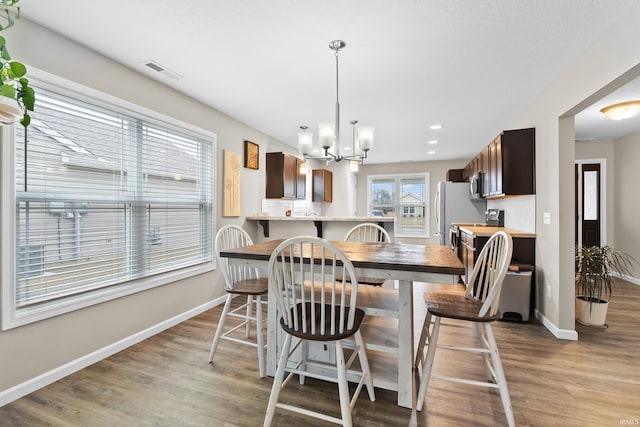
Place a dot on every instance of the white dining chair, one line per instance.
(240, 281)
(368, 233)
(313, 305)
(479, 305)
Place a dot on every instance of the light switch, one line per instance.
(546, 218)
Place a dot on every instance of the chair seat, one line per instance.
(250, 287)
(359, 316)
(455, 306)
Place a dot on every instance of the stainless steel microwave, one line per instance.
(475, 186)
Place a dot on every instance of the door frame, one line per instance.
(603, 198)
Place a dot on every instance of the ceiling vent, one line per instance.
(162, 70)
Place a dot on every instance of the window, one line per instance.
(403, 197)
(107, 203)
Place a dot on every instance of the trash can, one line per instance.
(515, 296)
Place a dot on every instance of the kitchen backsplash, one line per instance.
(278, 207)
(519, 212)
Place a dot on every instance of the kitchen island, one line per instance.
(320, 221)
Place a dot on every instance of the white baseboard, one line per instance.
(29, 386)
(630, 279)
(563, 334)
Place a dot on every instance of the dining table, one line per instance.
(400, 262)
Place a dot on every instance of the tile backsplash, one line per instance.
(519, 212)
(278, 207)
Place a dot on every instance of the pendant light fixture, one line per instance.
(329, 133)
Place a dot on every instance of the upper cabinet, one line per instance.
(322, 185)
(284, 178)
(507, 164)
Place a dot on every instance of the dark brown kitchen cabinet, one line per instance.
(283, 176)
(508, 164)
(322, 185)
(301, 179)
(523, 256)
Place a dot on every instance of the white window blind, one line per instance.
(104, 198)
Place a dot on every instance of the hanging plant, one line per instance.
(18, 98)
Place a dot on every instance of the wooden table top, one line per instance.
(387, 256)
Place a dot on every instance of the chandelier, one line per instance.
(329, 133)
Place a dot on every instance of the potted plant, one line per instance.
(17, 97)
(595, 269)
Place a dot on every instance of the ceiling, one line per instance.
(470, 65)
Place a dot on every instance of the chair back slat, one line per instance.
(368, 232)
(231, 237)
(314, 285)
(489, 271)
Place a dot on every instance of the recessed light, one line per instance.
(432, 142)
(435, 127)
(431, 152)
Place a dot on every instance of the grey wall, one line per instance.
(627, 201)
(35, 349)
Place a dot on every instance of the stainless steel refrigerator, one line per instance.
(453, 204)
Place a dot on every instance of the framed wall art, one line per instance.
(251, 155)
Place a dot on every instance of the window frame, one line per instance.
(399, 207)
(11, 317)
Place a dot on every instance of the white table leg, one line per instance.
(405, 344)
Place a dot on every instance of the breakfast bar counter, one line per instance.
(319, 221)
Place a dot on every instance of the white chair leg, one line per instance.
(423, 340)
(304, 356)
(426, 368)
(483, 344)
(260, 336)
(343, 386)
(220, 328)
(502, 382)
(277, 381)
(247, 331)
(364, 365)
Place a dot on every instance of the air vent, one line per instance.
(162, 70)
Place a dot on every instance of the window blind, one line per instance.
(104, 197)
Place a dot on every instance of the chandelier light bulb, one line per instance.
(305, 141)
(326, 135)
(365, 138)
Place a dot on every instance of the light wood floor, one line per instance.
(167, 381)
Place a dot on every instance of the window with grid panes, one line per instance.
(106, 202)
(404, 197)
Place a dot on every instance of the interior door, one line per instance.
(588, 204)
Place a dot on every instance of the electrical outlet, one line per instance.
(547, 290)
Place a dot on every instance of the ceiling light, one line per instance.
(431, 152)
(436, 127)
(329, 133)
(432, 142)
(621, 111)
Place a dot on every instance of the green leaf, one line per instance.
(26, 119)
(28, 98)
(8, 91)
(5, 53)
(18, 68)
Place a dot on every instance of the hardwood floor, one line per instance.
(166, 381)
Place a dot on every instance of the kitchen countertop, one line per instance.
(487, 231)
(322, 218)
(318, 220)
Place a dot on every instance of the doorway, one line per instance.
(590, 202)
